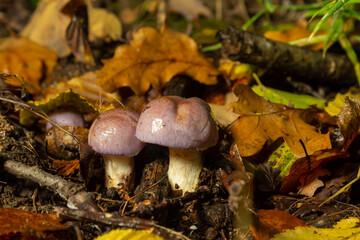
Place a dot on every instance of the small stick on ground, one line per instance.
(308, 65)
(73, 193)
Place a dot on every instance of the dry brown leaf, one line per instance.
(153, 58)
(28, 225)
(349, 120)
(308, 166)
(262, 122)
(28, 59)
(50, 20)
(310, 182)
(268, 223)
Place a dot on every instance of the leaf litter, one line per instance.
(266, 135)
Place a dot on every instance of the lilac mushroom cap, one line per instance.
(186, 126)
(66, 118)
(176, 122)
(113, 133)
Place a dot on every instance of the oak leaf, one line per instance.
(28, 59)
(261, 122)
(153, 58)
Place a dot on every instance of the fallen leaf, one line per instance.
(222, 115)
(305, 166)
(261, 122)
(65, 167)
(289, 99)
(28, 59)
(349, 120)
(153, 58)
(333, 108)
(129, 234)
(235, 70)
(67, 99)
(309, 183)
(52, 33)
(344, 229)
(268, 223)
(85, 86)
(18, 224)
(298, 31)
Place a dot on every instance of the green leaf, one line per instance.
(287, 98)
(336, 6)
(335, 31)
(282, 159)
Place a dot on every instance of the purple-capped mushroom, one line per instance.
(112, 135)
(185, 126)
(66, 118)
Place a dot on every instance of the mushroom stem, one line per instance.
(184, 169)
(119, 170)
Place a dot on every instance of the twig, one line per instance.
(115, 219)
(73, 193)
(311, 66)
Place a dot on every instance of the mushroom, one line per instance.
(66, 118)
(112, 135)
(185, 126)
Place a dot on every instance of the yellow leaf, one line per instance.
(345, 229)
(129, 234)
(28, 59)
(153, 58)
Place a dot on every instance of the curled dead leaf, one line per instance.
(153, 58)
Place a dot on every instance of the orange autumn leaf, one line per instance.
(153, 58)
(268, 223)
(297, 32)
(28, 59)
(66, 167)
(28, 225)
(262, 122)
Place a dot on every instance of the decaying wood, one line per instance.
(310, 66)
(73, 193)
(116, 220)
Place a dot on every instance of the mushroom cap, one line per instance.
(66, 118)
(176, 122)
(113, 133)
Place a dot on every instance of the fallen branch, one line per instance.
(310, 66)
(73, 193)
(116, 220)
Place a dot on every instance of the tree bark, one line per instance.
(307, 65)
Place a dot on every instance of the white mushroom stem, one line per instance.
(119, 170)
(184, 169)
